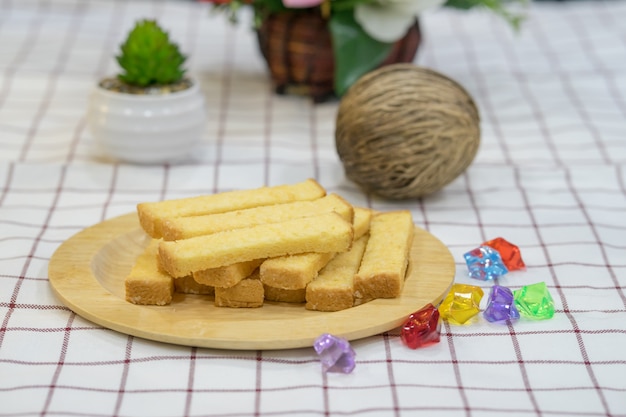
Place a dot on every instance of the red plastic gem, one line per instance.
(421, 328)
(509, 253)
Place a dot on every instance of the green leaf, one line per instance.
(355, 52)
(272, 6)
(499, 7)
(462, 4)
(341, 5)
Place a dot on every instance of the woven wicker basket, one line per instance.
(298, 49)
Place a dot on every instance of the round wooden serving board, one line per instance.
(87, 273)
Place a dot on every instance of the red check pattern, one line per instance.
(550, 177)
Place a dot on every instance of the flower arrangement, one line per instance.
(363, 32)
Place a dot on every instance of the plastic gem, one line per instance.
(534, 301)
(509, 253)
(336, 354)
(484, 263)
(500, 305)
(422, 328)
(461, 304)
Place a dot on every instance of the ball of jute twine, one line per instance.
(404, 131)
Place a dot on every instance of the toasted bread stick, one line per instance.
(294, 272)
(333, 288)
(146, 283)
(152, 214)
(384, 263)
(191, 226)
(321, 233)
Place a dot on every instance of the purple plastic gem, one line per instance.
(336, 354)
(484, 263)
(500, 305)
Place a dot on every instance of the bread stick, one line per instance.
(294, 272)
(188, 285)
(321, 233)
(146, 283)
(333, 288)
(191, 226)
(226, 276)
(384, 263)
(361, 222)
(152, 214)
(248, 293)
(284, 296)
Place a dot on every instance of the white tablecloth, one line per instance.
(550, 177)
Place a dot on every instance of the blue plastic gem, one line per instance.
(500, 305)
(484, 263)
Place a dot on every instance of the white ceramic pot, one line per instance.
(147, 129)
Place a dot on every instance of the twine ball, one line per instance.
(404, 131)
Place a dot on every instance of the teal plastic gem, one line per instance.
(534, 301)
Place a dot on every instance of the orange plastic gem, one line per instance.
(509, 253)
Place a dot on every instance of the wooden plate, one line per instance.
(87, 273)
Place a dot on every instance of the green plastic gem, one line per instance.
(534, 301)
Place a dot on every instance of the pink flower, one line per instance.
(302, 4)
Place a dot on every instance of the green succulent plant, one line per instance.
(148, 57)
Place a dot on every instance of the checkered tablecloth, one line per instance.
(550, 176)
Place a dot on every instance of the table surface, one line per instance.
(550, 176)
